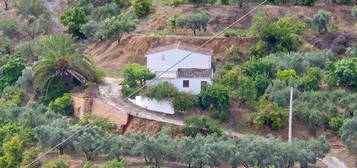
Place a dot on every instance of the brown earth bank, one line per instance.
(112, 56)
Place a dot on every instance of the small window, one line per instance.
(186, 83)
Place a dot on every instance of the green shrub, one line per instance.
(114, 164)
(333, 28)
(177, 2)
(336, 123)
(235, 33)
(224, 2)
(348, 133)
(11, 71)
(183, 101)
(56, 164)
(5, 44)
(343, 72)
(351, 52)
(30, 8)
(195, 125)
(279, 36)
(103, 123)
(246, 90)
(141, 7)
(320, 21)
(9, 27)
(354, 12)
(216, 99)
(306, 2)
(269, 113)
(279, 92)
(300, 61)
(57, 88)
(171, 22)
(62, 105)
(286, 75)
(74, 18)
(29, 156)
(108, 10)
(161, 91)
(310, 80)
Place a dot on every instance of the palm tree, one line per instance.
(61, 60)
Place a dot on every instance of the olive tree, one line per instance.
(90, 140)
(53, 133)
(320, 21)
(196, 21)
(118, 25)
(348, 133)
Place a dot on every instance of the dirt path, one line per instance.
(55, 7)
(110, 92)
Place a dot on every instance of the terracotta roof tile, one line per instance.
(193, 73)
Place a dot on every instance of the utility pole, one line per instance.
(291, 115)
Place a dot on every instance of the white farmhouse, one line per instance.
(190, 74)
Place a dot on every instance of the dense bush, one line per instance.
(11, 71)
(246, 90)
(135, 76)
(310, 80)
(279, 92)
(269, 113)
(161, 91)
(29, 156)
(200, 125)
(351, 52)
(141, 7)
(286, 75)
(56, 164)
(318, 107)
(5, 44)
(343, 72)
(177, 2)
(300, 61)
(8, 26)
(62, 105)
(57, 89)
(336, 123)
(349, 134)
(12, 153)
(183, 101)
(279, 36)
(74, 18)
(216, 99)
(306, 2)
(196, 21)
(103, 123)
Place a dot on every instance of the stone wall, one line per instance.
(97, 108)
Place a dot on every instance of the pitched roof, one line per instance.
(193, 73)
(182, 46)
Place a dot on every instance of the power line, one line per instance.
(151, 81)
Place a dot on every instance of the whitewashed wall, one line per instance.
(194, 87)
(162, 106)
(161, 61)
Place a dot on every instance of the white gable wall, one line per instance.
(161, 61)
